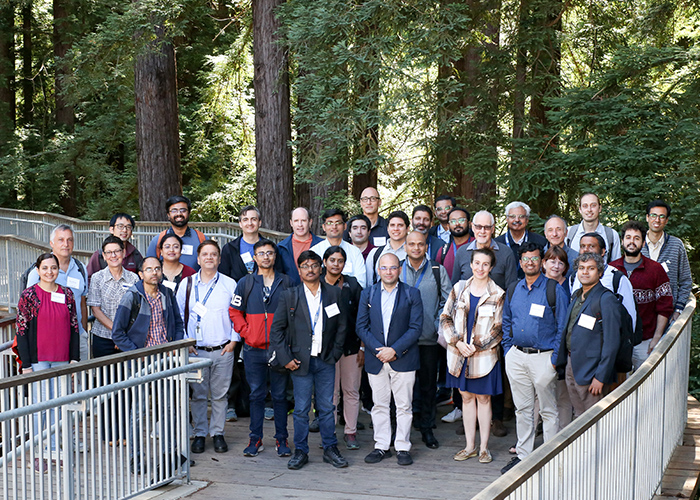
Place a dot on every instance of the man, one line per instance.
(420, 221)
(591, 338)
(390, 322)
(307, 337)
(121, 225)
(458, 220)
(668, 251)
(397, 224)
(555, 232)
(434, 285)
(358, 229)
(652, 290)
(204, 302)
(589, 208)
(107, 287)
(252, 312)
(334, 225)
(178, 210)
(71, 273)
(300, 240)
(517, 217)
(533, 322)
(443, 206)
(370, 203)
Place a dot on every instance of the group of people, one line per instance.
(384, 312)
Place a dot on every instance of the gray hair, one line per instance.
(597, 258)
(60, 227)
(517, 204)
(555, 216)
(481, 212)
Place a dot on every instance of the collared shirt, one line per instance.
(388, 301)
(105, 293)
(190, 242)
(372, 270)
(443, 234)
(215, 325)
(316, 312)
(354, 264)
(157, 333)
(655, 248)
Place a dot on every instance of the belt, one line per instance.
(212, 349)
(530, 350)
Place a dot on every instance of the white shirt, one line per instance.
(316, 312)
(625, 290)
(354, 264)
(388, 302)
(443, 234)
(372, 270)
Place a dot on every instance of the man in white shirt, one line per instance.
(398, 224)
(334, 224)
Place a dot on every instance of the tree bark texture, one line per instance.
(157, 128)
(65, 117)
(273, 154)
(27, 82)
(7, 71)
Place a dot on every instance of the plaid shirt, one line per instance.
(157, 333)
(106, 292)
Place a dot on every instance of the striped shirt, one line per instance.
(157, 333)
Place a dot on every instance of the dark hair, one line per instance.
(634, 226)
(264, 242)
(111, 239)
(167, 237)
(122, 215)
(593, 234)
(401, 215)
(45, 256)
(659, 203)
(332, 212)
(309, 255)
(361, 217)
(422, 208)
(459, 209)
(585, 257)
(177, 199)
(143, 262)
(557, 253)
(529, 246)
(205, 243)
(247, 209)
(334, 249)
(444, 197)
(485, 251)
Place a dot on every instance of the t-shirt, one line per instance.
(247, 248)
(300, 246)
(631, 266)
(52, 328)
(449, 261)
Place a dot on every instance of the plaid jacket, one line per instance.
(486, 333)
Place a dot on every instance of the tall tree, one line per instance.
(7, 71)
(27, 81)
(273, 154)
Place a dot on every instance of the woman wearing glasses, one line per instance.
(173, 270)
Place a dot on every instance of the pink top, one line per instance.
(52, 328)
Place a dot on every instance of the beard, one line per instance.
(177, 222)
(459, 234)
(633, 253)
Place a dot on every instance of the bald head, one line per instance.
(370, 202)
(389, 270)
(416, 247)
(301, 223)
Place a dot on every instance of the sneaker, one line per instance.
(351, 442)
(444, 399)
(464, 454)
(377, 455)
(485, 457)
(403, 458)
(254, 447)
(514, 461)
(283, 449)
(298, 460)
(332, 456)
(269, 413)
(368, 412)
(314, 426)
(231, 415)
(453, 416)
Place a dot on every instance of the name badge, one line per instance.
(126, 286)
(379, 241)
(73, 283)
(246, 257)
(665, 266)
(348, 267)
(586, 321)
(537, 310)
(200, 309)
(486, 311)
(332, 310)
(187, 249)
(169, 284)
(58, 297)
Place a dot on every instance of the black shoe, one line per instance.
(513, 462)
(198, 445)
(377, 455)
(220, 445)
(299, 460)
(404, 458)
(360, 426)
(332, 456)
(429, 440)
(314, 426)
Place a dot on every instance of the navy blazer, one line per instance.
(404, 330)
(593, 352)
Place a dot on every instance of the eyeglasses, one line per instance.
(479, 227)
(461, 220)
(313, 266)
(443, 209)
(518, 216)
(268, 253)
(111, 252)
(124, 226)
(658, 216)
(389, 268)
(530, 259)
(175, 246)
(175, 211)
(334, 223)
(366, 199)
(151, 270)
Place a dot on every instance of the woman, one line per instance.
(173, 270)
(471, 326)
(348, 370)
(555, 265)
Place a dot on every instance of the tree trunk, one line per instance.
(273, 154)
(7, 72)
(157, 130)
(65, 117)
(27, 83)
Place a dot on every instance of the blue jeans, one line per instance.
(47, 393)
(322, 376)
(257, 374)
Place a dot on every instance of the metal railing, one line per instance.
(110, 428)
(8, 367)
(619, 448)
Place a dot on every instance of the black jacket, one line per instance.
(233, 266)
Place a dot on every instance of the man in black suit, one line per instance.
(307, 336)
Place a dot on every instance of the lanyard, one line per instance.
(420, 278)
(206, 297)
(314, 321)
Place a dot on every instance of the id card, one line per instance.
(187, 249)
(486, 311)
(537, 310)
(169, 284)
(586, 321)
(665, 266)
(59, 298)
(332, 310)
(246, 257)
(73, 283)
(200, 309)
(379, 241)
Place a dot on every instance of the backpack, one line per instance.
(551, 293)
(24, 278)
(623, 359)
(200, 236)
(609, 236)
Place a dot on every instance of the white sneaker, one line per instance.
(453, 416)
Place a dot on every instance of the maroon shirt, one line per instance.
(449, 261)
(53, 328)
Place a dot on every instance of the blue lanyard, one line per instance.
(206, 297)
(316, 317)
(454, 248)
(420, 278)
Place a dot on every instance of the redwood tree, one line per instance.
(7, 94)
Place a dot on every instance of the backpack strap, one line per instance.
(443, 252)
(160, 237)
(571, 233)
(135, 309)
(200, 235)
(81, 269)
(187, 301)
(617, 276)
(610, 236)
(552, 295)
(436, 275)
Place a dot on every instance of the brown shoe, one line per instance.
(498, 429)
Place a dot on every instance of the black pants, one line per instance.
(427, 382)
(102, 347)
